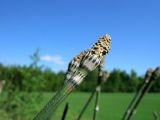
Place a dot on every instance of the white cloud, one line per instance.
(55, 59)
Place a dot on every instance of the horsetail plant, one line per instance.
(150, 77)
(77, 70)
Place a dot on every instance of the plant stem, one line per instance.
(47, 112)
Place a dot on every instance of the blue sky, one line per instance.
(63, 28)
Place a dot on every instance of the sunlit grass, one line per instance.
(112, 106)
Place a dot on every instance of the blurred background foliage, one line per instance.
(38, 78)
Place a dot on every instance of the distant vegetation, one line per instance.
(36, 78)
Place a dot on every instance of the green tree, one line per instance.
(35, 57)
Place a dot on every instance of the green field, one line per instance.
(112, 106)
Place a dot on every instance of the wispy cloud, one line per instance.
(57, 59)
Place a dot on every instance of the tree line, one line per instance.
(29, 78)
(36, 78)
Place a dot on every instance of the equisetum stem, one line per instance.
(96, 108)
(133, 110)
(99, 83)
(98, 88)
(47, 112)
(65, 111)
(129, 110)
(150, 78)
(86, 105)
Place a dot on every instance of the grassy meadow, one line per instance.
(24, 106)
